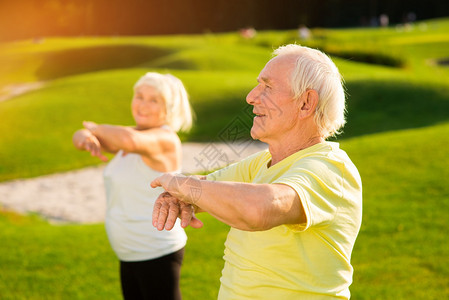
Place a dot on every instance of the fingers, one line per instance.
(196, 223)
(155, 183)
(186, 214)
(103, 158)
(92, 145)
(165, 211)
(173, 213)
(160, 212)
(156, 212)
(162, 181)
(89, 125)
(193, 221)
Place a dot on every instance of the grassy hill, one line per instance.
(397, 132)
(92, 78)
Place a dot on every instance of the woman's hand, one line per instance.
(85, 139)
(89, 125)
(92, 144)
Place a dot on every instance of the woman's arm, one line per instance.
(159, 148)
(244, 206)
(113, 138)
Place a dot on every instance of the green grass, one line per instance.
(397, 132)
(43, 261)
(401, 252)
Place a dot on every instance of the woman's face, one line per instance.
(148, 107)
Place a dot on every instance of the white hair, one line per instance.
(179, 112)
(315, 70)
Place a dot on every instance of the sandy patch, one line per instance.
(14, 90)
(78, 196)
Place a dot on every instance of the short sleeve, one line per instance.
(242, 171)
(318, 184)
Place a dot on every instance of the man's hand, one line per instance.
(168, 208)
(163, 181)
(186, 188)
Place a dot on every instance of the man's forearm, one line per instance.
(245, 206)
(240, 205)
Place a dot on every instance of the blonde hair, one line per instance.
(179, 112)
(315, 70)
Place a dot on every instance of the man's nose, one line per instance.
(252, 96)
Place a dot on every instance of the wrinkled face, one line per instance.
(273, 101)
(148, 107)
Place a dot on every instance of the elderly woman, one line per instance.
(160, 108)
(294, 210)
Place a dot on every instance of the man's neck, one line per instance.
(282, 150)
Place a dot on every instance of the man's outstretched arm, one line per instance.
(245, 206)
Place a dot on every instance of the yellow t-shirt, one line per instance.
(298, 261)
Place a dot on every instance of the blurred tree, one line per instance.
(21, 19)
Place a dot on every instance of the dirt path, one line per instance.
(78, 196)
(14, 90)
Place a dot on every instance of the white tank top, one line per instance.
(130, 201)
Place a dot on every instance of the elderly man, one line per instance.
(295, 209)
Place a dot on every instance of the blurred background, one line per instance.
(42, 18)
(65, 61)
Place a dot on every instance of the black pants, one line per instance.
(155, 279)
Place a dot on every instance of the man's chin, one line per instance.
(254, 134)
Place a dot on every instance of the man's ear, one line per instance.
(308, 102)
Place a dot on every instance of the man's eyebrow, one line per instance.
(265, 80)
